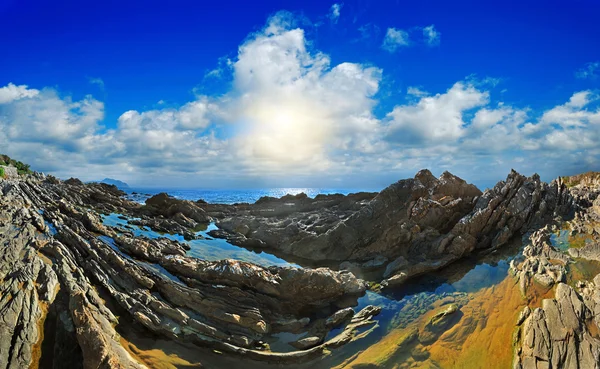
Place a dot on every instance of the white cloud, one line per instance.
(435, 118)
(334, 12)
(223, 67)
(416, 91)
(294, 107)
(12, 92)
(97, 81)
(495, 130)
(42, 116)
(431, 35)
(572, 114)
(194, 115)
(291, 113)
(590, 70)
(395, 39)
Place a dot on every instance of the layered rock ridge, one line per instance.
(63, 272)
(564, 331)
(412, 227)
(70, 282)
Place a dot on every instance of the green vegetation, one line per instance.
(1, 172)
(374, 286)
(22, 168)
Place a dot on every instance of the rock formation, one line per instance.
(412, 227)
(563, 332)
(70, 282)
(56, 245)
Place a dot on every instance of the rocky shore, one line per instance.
(70, 282)
(564, 331)
(412, 227)
(55, 244)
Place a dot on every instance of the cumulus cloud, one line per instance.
(334, 12)
(293, 113)
(590, 70)
(195, 115)
(294, 106)
(44, 117)
(11, 92)
(572, 125)
(431, 35)
(290, 111)
(435, 118)
(395, 39)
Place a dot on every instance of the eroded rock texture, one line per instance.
(68, 278)
(563, 332)
(412, 227)
(70, 283)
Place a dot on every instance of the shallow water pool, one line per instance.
(209, 248)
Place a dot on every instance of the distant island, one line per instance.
(120, 184)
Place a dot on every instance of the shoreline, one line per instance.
(256, 302)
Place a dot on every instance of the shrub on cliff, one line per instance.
(22, 168)
(1, 172)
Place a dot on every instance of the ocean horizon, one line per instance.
(231, 196)
(251, 195)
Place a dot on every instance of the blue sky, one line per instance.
(297, 93)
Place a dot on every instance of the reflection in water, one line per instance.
(582, 270)
(489, 301)
(479, 286)
(564, 240)
(560, 240)
(486, 298)
(157, 269)
(206, 249)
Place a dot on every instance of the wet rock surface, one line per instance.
(71, 280)
(563, 331)
(70, 283)
(438, 324)
(413, 227)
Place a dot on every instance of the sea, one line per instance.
(237, 195)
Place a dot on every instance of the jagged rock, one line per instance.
(412, 227)
(339, 317)
(67, 266)
(74, 182)
(9, 171)
(543, 262)
(356, 227)
(165, 205)
(229, 305)
(556, 335)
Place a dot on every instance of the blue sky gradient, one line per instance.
(418, 75)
